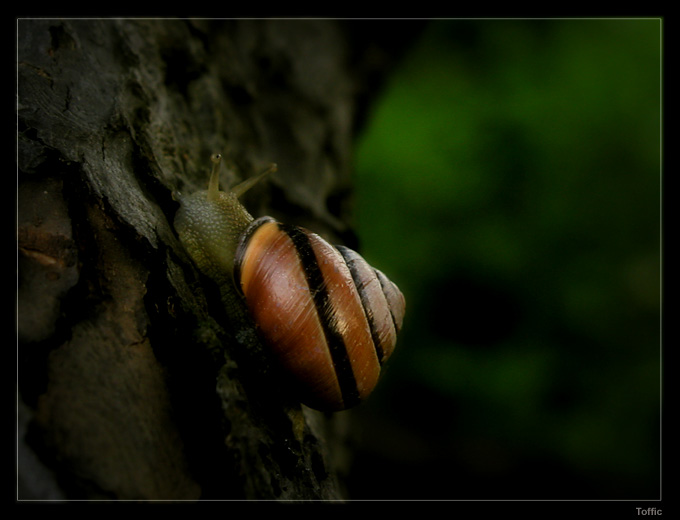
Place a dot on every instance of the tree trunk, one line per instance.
(132, 385)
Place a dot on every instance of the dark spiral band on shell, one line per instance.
(325, 308)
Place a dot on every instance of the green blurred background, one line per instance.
(509, 182)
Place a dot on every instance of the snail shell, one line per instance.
(329, 318)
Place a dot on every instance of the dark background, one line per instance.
(510, 183)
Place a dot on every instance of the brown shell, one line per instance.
(330, 319)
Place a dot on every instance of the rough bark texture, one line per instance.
(130, 385)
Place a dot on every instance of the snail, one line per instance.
(329, 318)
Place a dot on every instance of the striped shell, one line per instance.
(330, 319)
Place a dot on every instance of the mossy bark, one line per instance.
(133, 383)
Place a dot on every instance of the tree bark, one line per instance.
(132, 384)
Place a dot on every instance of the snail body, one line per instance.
(329, 318)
